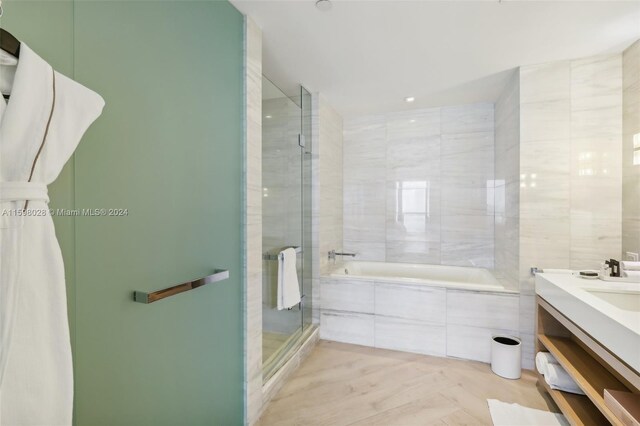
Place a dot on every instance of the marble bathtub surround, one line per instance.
(416, 318)
(537, 181)
(507, 183)
(419, 186)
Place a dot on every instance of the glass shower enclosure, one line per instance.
(286, 217)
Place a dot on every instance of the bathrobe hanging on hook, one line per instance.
(40, 127)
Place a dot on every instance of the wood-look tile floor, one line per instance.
(341, 384)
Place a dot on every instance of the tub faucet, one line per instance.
(333, 254)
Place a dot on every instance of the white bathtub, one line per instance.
(428, 309)
(460, 277)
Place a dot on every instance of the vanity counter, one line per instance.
(614, 324)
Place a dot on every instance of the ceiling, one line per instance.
(367, 56)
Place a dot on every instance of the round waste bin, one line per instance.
(506, 356)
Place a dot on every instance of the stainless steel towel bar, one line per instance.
(269, 256)
(142, 297)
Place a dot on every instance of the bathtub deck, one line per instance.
(342, 384)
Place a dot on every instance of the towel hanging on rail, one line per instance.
(269, 256)
(288, 286)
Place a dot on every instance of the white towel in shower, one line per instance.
(543, 359)
(558, 378)
(288, 287)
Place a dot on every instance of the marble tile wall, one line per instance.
(631, 168)
(310, 217)
(315, 213)
(507, 183)
(596, 160)
(281, 174)
(570, 164)
(570, 170)
(330, 145)
(419, 186)
(328, 136)
(253, 222)
(416, 318)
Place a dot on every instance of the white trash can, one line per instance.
(506, 352)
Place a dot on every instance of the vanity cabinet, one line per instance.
(593, 367)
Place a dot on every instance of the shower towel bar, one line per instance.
(269, 256)
(142, 297)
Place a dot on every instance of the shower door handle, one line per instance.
(143, 297)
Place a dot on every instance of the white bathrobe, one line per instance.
(40, 128)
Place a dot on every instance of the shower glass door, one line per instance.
(282, 219)
(307, 208)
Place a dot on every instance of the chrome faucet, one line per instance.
(333, 254)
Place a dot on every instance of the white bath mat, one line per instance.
(504, 414)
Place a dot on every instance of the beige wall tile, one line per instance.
(631, 172)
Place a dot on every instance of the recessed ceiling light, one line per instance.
(267, 116)
(409, 99)
(324, 5)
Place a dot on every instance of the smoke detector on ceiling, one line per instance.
(324, 5)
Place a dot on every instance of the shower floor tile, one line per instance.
(271, 342)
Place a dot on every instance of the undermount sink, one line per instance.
(623, 299)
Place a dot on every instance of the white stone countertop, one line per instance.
(615, 327)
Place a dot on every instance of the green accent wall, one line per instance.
(168, 148)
